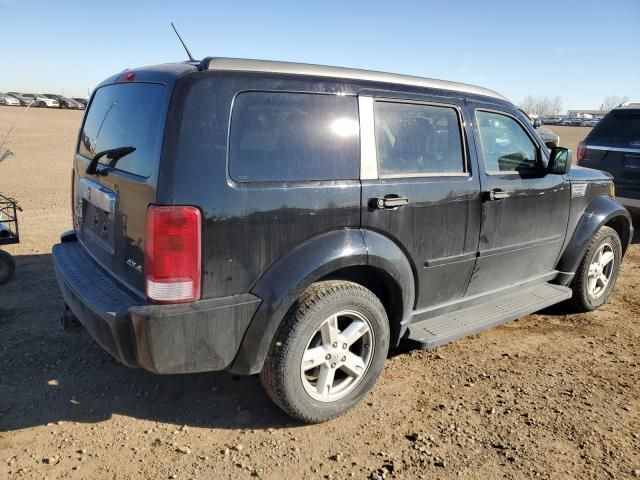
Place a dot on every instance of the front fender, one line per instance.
(600, 212)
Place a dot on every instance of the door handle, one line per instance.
(498, 194)
(389, 202)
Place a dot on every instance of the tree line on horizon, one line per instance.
(547, 106)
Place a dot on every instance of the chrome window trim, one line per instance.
(612, 149)
(368, 152)
(463, 146)
(426, 175)
(517, 120)
(502, 172)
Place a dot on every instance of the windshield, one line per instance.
(126, 114)
(619, 128)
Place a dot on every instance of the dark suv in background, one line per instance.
(614, 146)
(298, 221)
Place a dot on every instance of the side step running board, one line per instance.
(445, 328)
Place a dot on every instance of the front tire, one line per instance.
(598, 271)
(328, 352)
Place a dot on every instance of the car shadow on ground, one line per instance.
(49, 375)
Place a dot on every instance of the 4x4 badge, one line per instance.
(134, 265)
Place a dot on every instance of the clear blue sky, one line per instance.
(581, 50)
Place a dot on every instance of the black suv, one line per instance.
(614, 146)
(298, 221)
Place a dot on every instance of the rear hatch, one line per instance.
(109, 207)
(614, 146)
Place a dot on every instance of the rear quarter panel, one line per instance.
(246, 227)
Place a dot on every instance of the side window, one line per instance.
(506, 147)
(414, 139)
(277, 136)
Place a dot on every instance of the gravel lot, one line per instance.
(548, 396)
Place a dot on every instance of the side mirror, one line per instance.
(537, 123)
(559, 161)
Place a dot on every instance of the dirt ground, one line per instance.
(548, 396)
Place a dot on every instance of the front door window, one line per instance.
(506, 147)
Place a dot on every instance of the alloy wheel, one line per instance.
(337, 356)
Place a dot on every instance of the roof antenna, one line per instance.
(183, 44)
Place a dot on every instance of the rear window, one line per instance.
(126, 115)
(278, 136)
(620, 128)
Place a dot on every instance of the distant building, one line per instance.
(596, 114)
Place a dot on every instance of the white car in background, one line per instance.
(9, 100)
(36, 100)
(42, 101)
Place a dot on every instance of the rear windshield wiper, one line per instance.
(113, 154)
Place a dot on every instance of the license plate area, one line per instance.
(97, 218)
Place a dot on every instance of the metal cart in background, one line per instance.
(9, 208)
(9, 235)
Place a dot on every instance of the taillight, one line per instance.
(582, 149)
(172, 254)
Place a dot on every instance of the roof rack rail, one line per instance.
(290, 68)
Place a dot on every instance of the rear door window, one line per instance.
(415, 139)
(619, 128)
(126, 115)
(278, 136)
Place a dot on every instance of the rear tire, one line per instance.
(598, 271)
(328, 351)
(7, 267)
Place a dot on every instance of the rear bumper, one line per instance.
(185, 338)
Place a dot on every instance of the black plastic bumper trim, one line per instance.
(184, 338)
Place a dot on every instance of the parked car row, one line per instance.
(570, 121)
(579, 122)
(46, 100)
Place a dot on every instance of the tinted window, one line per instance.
(294, 136)
(417, 139)
(126, 115)
(506, 147)
(620, 128)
